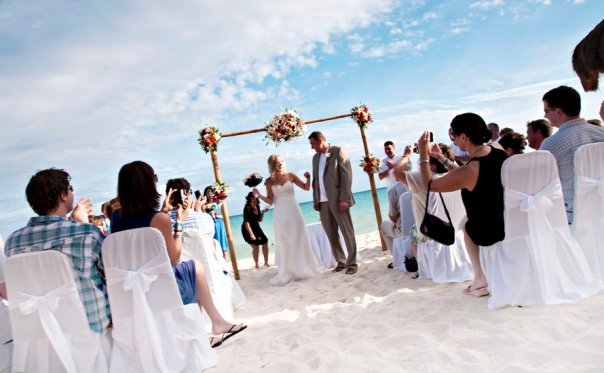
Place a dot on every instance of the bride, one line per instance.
(295, 258)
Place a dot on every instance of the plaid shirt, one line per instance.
(82, 244)
(571, 135)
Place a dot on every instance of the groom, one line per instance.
(332, 197)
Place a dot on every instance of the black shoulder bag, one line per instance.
(434, 227)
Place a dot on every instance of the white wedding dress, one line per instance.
(294, 256)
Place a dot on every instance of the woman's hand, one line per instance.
(307, 175)
(167, 206)
(199, 203)
(423, 145)
(408, 151)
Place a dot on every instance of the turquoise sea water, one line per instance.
(363, 218)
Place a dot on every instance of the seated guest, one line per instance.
(513, 143)
(494, 129)
(50, 195)
(139, 201)
(562, 107)
(537, 131)
(392, 228)
(504, 131)
(480, 184)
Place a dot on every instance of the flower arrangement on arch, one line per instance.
(218, 192)
(361, 115)
(209, 138)
(284, 127)
(370, 164)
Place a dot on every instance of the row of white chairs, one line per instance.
(542, 259)
(152, 331)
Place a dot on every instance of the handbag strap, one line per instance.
(441, 199)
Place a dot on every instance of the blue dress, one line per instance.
(183, 272)
(220, 231)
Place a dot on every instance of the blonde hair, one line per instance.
(272, 165)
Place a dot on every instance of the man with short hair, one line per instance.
(332, 197)
(562, 107)
(50, 195)
(537, 131)
(386, 170)
(494, 129)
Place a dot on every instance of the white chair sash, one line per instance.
(145, 329)
(589, 183)
(540, 231)
(45, 306)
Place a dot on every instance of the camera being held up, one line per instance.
(416, 151)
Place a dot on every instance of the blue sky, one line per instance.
(89, 86)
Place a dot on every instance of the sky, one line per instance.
(88, 86)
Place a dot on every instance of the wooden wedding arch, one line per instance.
(214, 156)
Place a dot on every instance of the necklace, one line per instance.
(476, 152)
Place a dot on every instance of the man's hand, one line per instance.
(343, 206)
(81, 211)
(389, 164)
(315, 206)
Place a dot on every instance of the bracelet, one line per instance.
(424, 161)
(177, 224)
(445, 162)
(177, 236)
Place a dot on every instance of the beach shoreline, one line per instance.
(380, 320)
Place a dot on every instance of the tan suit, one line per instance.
(337, 180)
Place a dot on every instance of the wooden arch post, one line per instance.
(225, 217)
(227, 223)
(376, 201)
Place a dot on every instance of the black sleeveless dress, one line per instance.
(253, 218)
(484, 204)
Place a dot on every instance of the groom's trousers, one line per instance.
(332, 219)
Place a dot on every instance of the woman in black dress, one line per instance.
(250, 228)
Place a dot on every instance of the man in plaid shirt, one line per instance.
(562, 107)
(50, 195)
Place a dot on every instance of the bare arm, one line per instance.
(268, 199)
(462, 177)
(298, 182)
(173, 245)
(400, 168)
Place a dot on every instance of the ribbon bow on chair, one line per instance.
(540, 231)
(45, 306)
(589, 183)
(146, 334)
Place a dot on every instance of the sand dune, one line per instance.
(380, 320)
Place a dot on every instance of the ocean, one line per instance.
(363, 218)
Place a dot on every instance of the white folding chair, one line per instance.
(49, 324)
(446, 263)
(400, 245)
(226, 292)
(588, 219)
(152, 330)
(539, 262)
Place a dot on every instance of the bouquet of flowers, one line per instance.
(252, 180)
(284, 127)
(361, 115)
(209, 138)
(370, 164)
(218, 192)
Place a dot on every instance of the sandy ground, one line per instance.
(381, 320)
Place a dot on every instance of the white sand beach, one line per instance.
(381, 320)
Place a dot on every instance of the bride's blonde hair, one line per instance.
(272, 165)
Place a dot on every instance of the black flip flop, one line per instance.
(228, 335)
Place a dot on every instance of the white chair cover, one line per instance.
(321, 247)
(539, 262)
(152, 331)
(49, 324)
(446, 263)
(226, 292)
(6, 347)
(588, 220)
(400, 245)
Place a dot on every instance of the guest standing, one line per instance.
(250, 228)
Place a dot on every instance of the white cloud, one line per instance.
(486, 5)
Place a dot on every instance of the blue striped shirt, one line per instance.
(82, 244)
(563, 144)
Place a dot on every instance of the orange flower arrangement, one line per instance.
(370, 164)
(209, 138)
(361, 115)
